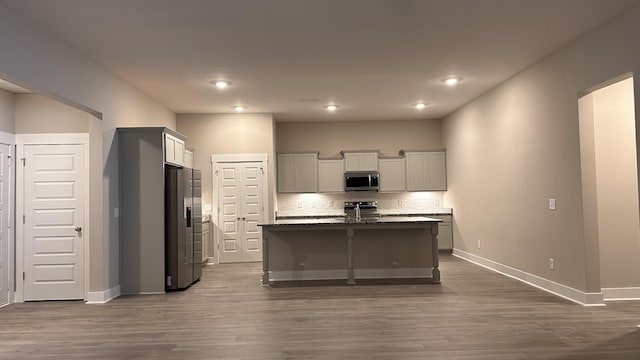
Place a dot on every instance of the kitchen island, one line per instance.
(323, 248)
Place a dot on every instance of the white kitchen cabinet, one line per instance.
(392, 175)
(361, 161)
(331, 176)
(445, 232)
(298, 173)
(188, 159)
(174, 149)
(426, 171)
(206, 243)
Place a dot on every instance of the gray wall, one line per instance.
(210, 134)
(329, 138)
(37, 114)
(513, 148)
(7, 112)
(36, 60)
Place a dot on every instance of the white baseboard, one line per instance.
(102, 297)
(398, 273)
(621, 294)
(577, 296)
(342, 274)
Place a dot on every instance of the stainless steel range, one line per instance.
(364, 211)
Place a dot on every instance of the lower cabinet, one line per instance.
(445, 232)
(207, 252)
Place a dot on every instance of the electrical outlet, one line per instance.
(552, 264)
(207, 207)
(478, 244)
(399, 203)
(552, 204)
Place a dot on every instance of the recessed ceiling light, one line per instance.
(331, 107)
(221, 84)
(239, 108)
(452, 80)
(420, 105)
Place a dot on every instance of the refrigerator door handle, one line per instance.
(189, 217)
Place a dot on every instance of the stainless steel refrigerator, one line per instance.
(183, 227)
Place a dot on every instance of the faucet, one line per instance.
(358, 212)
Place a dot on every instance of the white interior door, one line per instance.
(240, 199)
(229, 194)
(53, 221)
(251, 212)
(5, 151)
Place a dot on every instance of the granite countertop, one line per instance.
(344, 221)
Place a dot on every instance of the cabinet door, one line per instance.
(369, 161)
(392, 175)
(286, 173)
(206, 240)
(179, 152)
(306, 172)
(445, 236)
(330, 176)
(169, 149)
(352, 161)
(188, 159)
(174, 150)
(416, 171)
(436, 171)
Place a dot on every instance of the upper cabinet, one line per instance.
(331, 176)
(360, 161)
(298, 173)
(188, 159)
(392, 175)
(174, 149)
(426, 170)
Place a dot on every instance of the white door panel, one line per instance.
(241, 209)
(53, 244)
(4, 223)
(229, 214)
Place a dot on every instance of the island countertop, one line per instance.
(344, 221)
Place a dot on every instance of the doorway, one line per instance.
(610, 186)
(240, 199)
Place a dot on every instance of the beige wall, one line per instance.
(209, 134)
(7, 112)
(513, 148)
(329, 138)
(37, 114)
(36, 60)
(617, 185)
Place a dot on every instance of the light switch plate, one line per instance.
(116, 212)
(552, 204)
(207, 207)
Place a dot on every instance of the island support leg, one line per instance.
(351, 279)
(265, 257)
(434, 253)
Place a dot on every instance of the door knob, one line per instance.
(78, 228)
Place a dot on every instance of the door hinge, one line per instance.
(24, 162)
(23, 276)
(10, 160)
(24, 219)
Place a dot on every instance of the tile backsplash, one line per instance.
(331, 204)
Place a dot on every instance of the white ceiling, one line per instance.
(373, 57)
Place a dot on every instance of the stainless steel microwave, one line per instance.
(361, 181)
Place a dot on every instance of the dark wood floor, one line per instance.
(473, 314)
